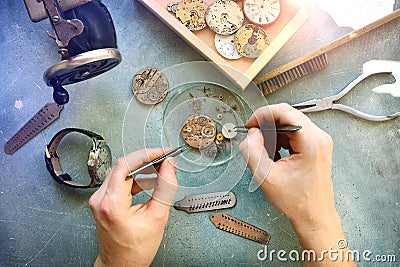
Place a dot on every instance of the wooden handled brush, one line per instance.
(312, 62)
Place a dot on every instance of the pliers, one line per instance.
(326, 103)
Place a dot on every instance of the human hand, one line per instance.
(300, 185)
(131, 235)
(297, 184)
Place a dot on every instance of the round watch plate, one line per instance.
(150, 86)
(224, 17)
(261, 12)
(191, 13)
(198, 131)
(229, 130)
(225, 45)
(250, 40)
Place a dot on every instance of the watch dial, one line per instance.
(103, 162)
(262, 12)
(225, 45)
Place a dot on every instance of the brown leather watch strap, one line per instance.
(53, 162)
(43, 118)
(232, 225)
(52, 147)
(206, 202)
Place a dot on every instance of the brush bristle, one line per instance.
(306, 68)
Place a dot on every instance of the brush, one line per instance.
(312, 62)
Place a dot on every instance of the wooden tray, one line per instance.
(290, 19)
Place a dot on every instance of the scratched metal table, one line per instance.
(43, 223)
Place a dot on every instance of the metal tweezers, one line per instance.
(159, 160)
(277, 129)
(329, 103)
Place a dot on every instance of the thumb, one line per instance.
(255, 155)
(165, 190)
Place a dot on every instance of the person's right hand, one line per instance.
(300, 185)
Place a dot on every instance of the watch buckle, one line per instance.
(50, 155)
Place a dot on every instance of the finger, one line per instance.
(282, 141)
(283, 114)
(153, 168)
(98, 195)
(142, 184)
(165, 190)
(141, 157)
(255, 155)
(118, 185)
(115, 196)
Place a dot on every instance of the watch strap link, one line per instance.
(232, 225)
(43, 118)
(206, 202)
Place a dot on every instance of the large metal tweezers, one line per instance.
(157, 161)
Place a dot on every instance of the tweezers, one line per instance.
(277, 129)
(159, 160)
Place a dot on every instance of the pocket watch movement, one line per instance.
(199, 131)
(250, 40)
(262, 12)
(192, 14)
(224, 17)
(150, 86)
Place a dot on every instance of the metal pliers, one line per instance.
(326, 103)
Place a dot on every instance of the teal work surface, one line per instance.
(43, 223)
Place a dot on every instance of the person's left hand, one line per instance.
(130, 235)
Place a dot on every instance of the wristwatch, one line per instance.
(99, 162)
